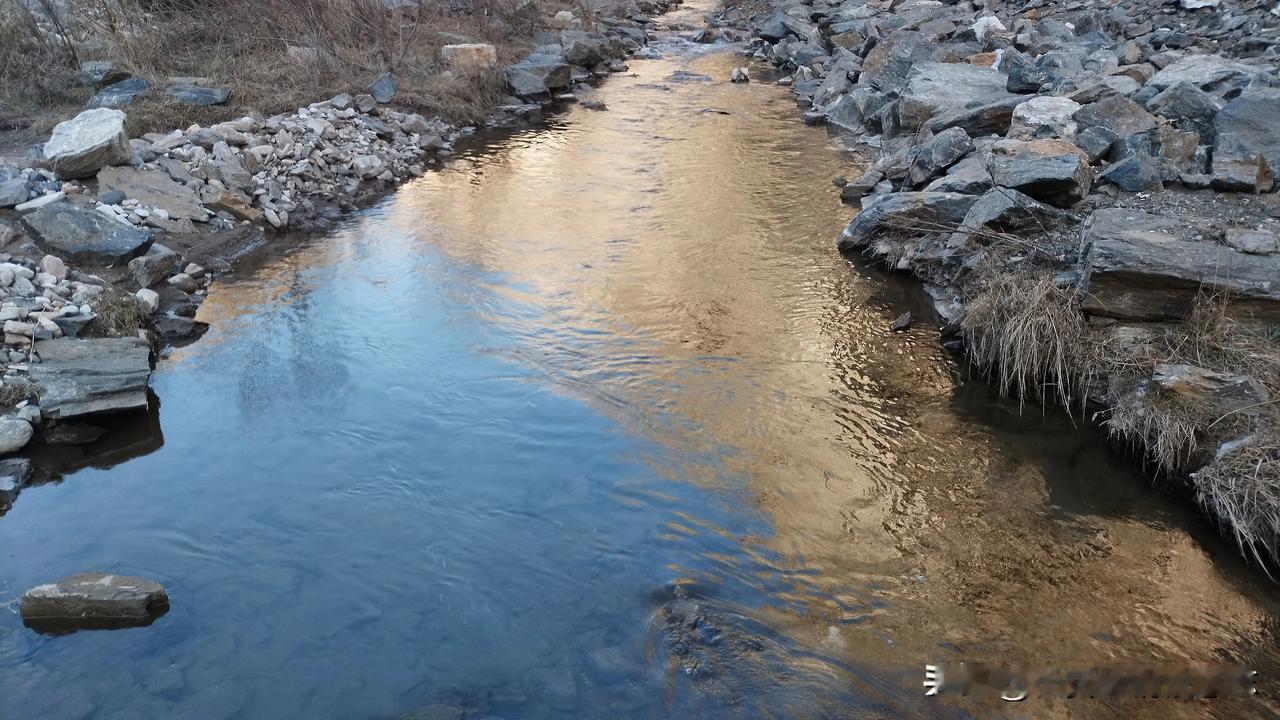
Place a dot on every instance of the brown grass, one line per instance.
(245, 45)
(1031, 336)
(1030, 333)
(119, 314)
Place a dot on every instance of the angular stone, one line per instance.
(197, 95)
(1250, 125)
(1044, 117)
(1120, 115)
(384, 88)
(538, 75)
(153, 189)
(889, 63)
(81, 146)
(991, 118)
(1135, 173)
(969, 176)
(93, 600)
(1225, 391)
(1252, 241)
(96, 73)
(81, 376)
(1052, 171)
(1001, 210)
(1207, 72)
(1140, 266)
(14, 192)
(119, 94)
(1188, 105)
(908, 213)
(85, 235)
(154, 267)
(469, 57)
(933, 88)
(1250, 174)
(939, 153)
(1095, 142)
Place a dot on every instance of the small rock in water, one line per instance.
(902, 322)
(740, 75)
(594, 105)
(93, 600)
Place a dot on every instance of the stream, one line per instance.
(595, 422)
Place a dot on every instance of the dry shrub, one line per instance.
(1030, 333)
(1242, 489)
(37, 66)
(119, 314)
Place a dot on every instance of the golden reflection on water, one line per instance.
(683, 270)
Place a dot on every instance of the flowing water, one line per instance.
(596, 423)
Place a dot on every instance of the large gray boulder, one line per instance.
(1119, 115)
(80, 376)
(87, 236)
(1250, 125)
(888, 65)
(542, 72)
(1189, 106)
(93, 600)
(933, 88)
(83, 145)
(909, 214)
(1051, 171)
(1139, 266)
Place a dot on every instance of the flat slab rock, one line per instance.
(1140, 266)
(154, 189)
(93, 600)
(83, 235)
(86, 376)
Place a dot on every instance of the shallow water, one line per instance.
(596, 423)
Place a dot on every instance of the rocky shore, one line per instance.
(1087, 191)
(108, 242)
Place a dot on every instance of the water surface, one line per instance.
(595, 423)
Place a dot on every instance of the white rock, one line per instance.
(53, 265)
(37, 203)
(150, 299)
(83, 145)
(985, 26)
(1044, 117)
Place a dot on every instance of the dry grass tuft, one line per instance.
(119, 314)
(1242, 489)
(1031, 335)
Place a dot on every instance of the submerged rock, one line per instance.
(93, 600)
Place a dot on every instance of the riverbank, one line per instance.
(113, 236)
(1088, 197)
